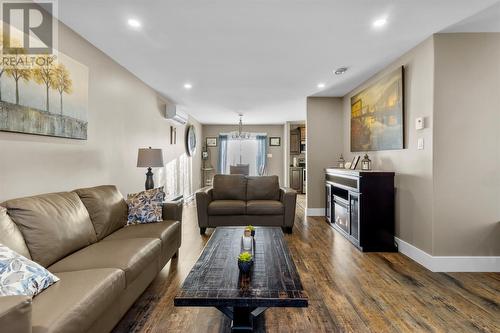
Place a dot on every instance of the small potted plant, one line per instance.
(245, 262)
(252, 230)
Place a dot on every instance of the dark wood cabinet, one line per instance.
(295, 141)
(360, 205)
(296, 179)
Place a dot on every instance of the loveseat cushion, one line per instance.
(264, 207)
(229, 187)
(106, 207)
(226, 207)
(10, 235)
(77, 300)
(263, 188)
(53, 225)
(131, 256)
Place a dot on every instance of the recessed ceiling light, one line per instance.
(188, 86)
(321, 85)
(379, 23)
(134, 23)
(340, 70)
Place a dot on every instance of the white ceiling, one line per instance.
(261, 58)
(487, 20)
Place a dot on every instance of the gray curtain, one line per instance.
(222, 161)
(261, 154)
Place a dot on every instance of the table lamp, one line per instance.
(149, 158)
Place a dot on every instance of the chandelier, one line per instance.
(240, 135)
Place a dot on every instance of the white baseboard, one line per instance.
(449, 263)
(315, 212)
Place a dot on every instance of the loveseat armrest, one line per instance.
(15, 314)
(172, 210)
(203, 199)
(288, 197)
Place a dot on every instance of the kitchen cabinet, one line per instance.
(295, 142)
(296, 181)
(302, 134)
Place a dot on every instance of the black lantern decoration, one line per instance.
(366, 163)
(341, 162)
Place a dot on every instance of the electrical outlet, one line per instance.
(420, 143)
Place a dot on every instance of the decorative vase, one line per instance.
(245, 266)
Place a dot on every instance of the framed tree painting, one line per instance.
(47, 96)
(377, 115)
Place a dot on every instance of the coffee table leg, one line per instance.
(242, 319)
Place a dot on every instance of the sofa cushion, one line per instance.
(10, 235)
(168, 232)
(264, 207)
(53, 225)
(77, 301)
(226, 207)
(229, 187)
(106, 207)
(21, 276)
(263, 188)
(15, 314)
(131, 256)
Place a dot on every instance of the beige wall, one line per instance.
(414, 201)
(275, 163)
(467, 145)
(324, 124)
(123, 113)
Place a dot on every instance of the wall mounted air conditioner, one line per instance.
(176, 113)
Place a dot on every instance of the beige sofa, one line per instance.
(103, 265)
(238, 200)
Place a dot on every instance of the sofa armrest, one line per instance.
(288, 197)
(15, 314)
(172, 210)
(203, 199)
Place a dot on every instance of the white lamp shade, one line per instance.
(149, 158)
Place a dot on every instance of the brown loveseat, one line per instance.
(238, 200)
(103, 265)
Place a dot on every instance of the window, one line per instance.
(250, 150)
(242, 152)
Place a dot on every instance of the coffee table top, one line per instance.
(215, 279)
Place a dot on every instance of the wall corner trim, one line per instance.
(315, 212)
(449, 263)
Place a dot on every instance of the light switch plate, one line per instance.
(419, 123)
(420, 143)
(269, 155)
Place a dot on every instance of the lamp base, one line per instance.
(149, 180)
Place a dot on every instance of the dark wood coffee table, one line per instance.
(215, 279)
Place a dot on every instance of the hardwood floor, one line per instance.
(349, 291)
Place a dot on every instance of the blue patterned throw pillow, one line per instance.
(21, 276)
(145, 206)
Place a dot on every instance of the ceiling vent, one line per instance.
(176, 113)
